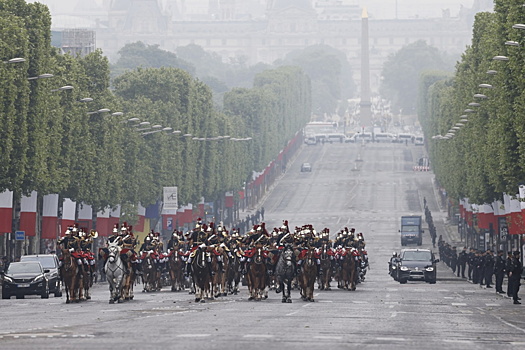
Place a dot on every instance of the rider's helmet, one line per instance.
(394, 254)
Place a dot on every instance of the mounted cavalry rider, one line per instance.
(174, 242)
(309, 240)
(285, 236)
(86, 243)
(71, 242)
(198, 240)
(129, 242)
(256, 239)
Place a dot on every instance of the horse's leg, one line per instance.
(285, 291)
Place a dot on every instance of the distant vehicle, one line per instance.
(419, 141)
(416, 264)
(306, 167)
(405, 138)
(48, 262)
(311, 141)
(384, 137)
(363, 137)
(336, 137)
(411, 230)
(25, 278)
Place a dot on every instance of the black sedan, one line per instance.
(25, 278)
(48, 262)
(416, 264)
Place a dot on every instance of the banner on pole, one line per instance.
(170, 198)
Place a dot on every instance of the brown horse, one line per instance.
(128, 281)
(220, 277)
(326, 265)
(348, 270)
(308, 275)
(257, 278)
(200, 271)
(149, 274)
(176, 266)
(69, 271)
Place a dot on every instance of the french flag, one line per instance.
(69, 211)
(28, 214)
(139, 227)
(85, 216)
(6, 211)
(513, 214)
(104, 226)
(50, 217)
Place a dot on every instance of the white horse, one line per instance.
(114, 270)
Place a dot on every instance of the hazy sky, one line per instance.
(376, 8)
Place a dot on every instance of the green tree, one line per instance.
(402, 70)
(330, 75)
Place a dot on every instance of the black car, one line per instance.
(306, 167)
(25, 278)
(416, 264)
(48, 262)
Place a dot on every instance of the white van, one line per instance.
(383, 137)
(419, 141)
(363, 137)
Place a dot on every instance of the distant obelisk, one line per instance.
(365, 104)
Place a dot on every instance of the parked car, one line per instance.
(48, 262)
(306, 167)
(416, 264)
(25, 278)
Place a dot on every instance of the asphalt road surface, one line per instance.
(366, 187)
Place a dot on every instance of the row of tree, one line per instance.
(52, 142)
(328, 69)
(486, 157)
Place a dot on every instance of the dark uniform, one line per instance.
(499, 271)
(488, 268)
(515, 276)
(462, 262)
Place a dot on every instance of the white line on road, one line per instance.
(258, 336)
(391, 339)
(509, 324)
(459, 304)
(461, 341)
(330, 337)
(198, 335)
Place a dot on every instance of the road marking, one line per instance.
(461, 341)
(509, 324)
(391, 339)
(459, 304)
(359, 301)
(327, 337)
(258, 336)
(199, 335)
(493, 304)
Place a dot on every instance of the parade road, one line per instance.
(367, 187)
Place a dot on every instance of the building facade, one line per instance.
(224, 26)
